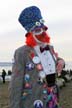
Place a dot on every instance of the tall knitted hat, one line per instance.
(31, 17)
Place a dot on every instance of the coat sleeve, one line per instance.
(16, 83)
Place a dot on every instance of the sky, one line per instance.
(57, 15)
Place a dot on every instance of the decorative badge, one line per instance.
(42, 74)
(44, 91)
(28, 86)
(29, 66)
(38, 104)
(27, 77)
(36, 59)
(32, 54)
(24, 96)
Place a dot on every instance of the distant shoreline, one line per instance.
(5, 64)
(68, 64)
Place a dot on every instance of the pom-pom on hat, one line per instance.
(31, 17)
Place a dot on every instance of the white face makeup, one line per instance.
(39, 42)
(38, 32)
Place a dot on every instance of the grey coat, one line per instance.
(17, 84)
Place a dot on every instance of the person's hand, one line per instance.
(60, 66)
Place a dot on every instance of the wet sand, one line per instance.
(65, 95)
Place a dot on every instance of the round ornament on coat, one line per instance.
(29, 66)
(42, 74)
(27, 86)
(44, 91)
(49, 98)
(45, 97)
(36, 59)
(27, 77)
(24, 96)
(38, 104)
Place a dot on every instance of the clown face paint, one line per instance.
(41, 37)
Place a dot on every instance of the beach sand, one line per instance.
(65, 95)
(4, 95)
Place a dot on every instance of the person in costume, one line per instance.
(33, 82)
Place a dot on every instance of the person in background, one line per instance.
(33, 82)
(3, 75)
